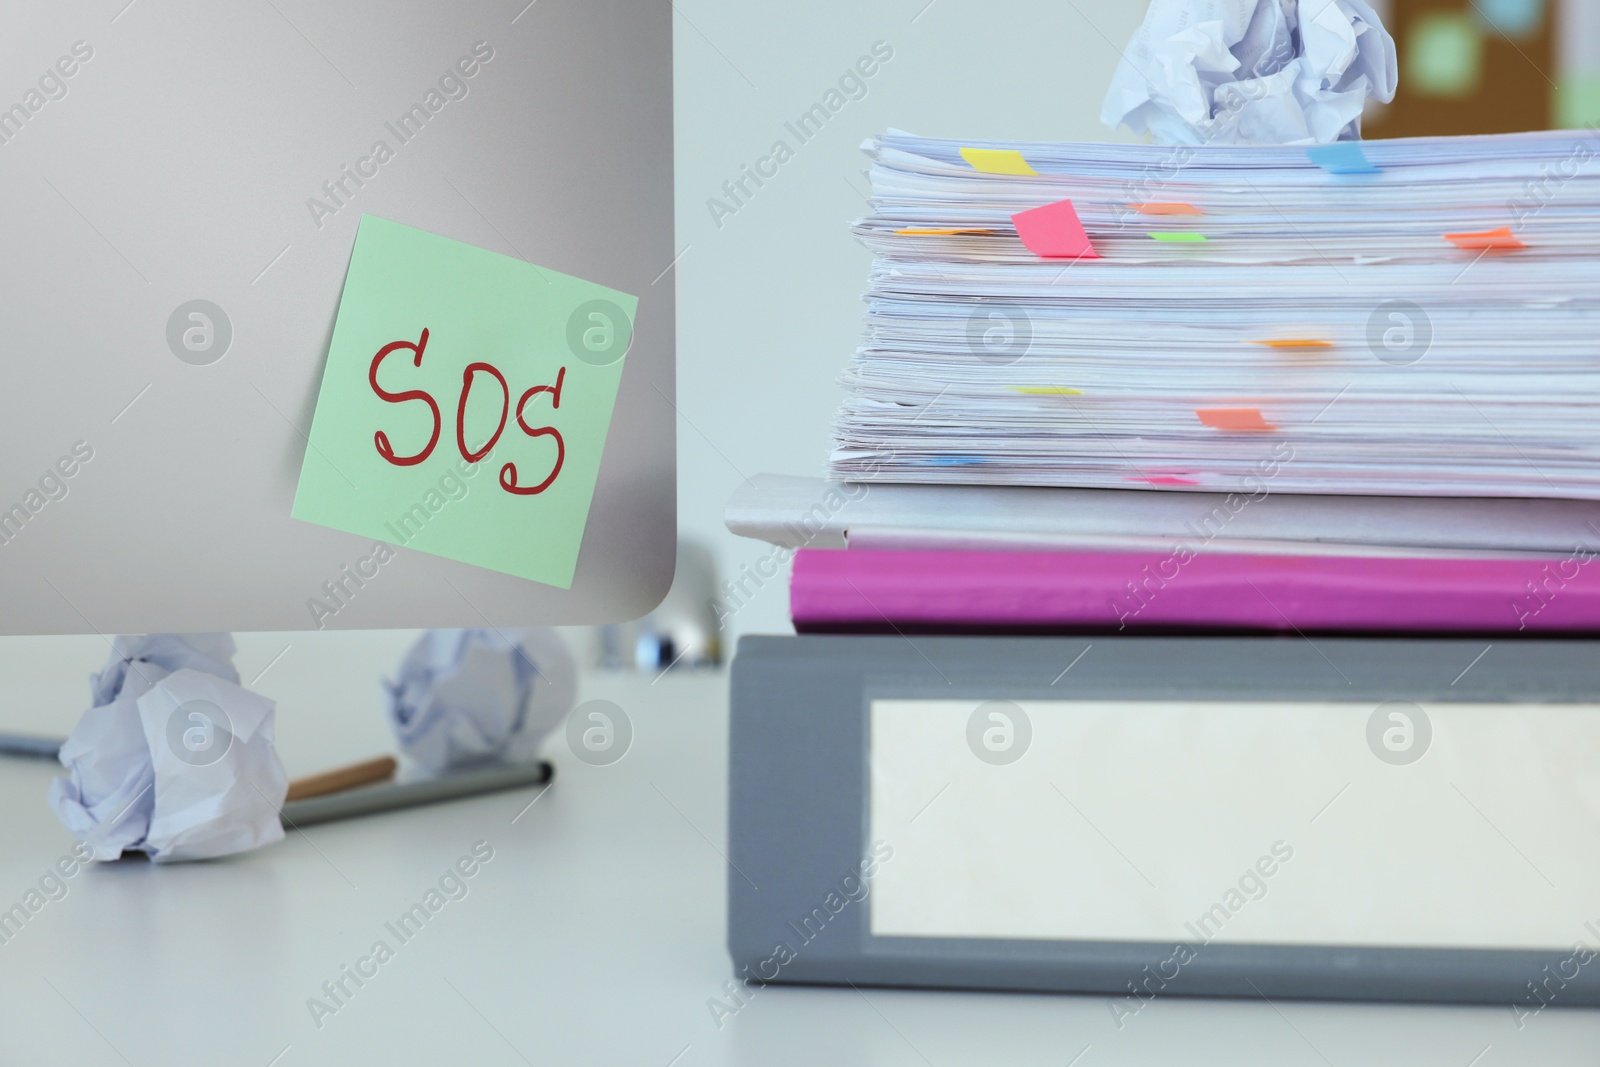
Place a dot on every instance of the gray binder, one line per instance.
(806, 877)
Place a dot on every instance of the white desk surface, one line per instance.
(595, 936)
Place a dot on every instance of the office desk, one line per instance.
(593, 936)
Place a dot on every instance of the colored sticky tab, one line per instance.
(1296, 342)
(1501, 238)
(464, 404)
(1166, 209)
(1165, 479)
(1054, 232)
(997, 161)
(1342, 157)
(1179, 238)
(1046, 390)
(1233, 418)
(928, 232)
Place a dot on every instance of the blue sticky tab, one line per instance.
(1342, 157)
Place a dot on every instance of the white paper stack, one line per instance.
(1408, 317)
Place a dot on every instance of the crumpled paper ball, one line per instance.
(1252, 72)
(174, 758)
(472, 696)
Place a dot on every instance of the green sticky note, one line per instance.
(465, 403)
(1179, 237)
(1444, 54)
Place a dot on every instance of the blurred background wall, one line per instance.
(1492, 66)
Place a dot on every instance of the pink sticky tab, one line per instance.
(1054, 232)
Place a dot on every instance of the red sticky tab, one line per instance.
(1233, 418)
(1473, 242)
(1165, 479)
(1054, 232)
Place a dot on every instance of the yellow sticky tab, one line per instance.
(1296, 342)
(1046, 390)
(922, 231)
(997, 161)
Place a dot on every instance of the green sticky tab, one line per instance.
(1179, 237)
(465, 403)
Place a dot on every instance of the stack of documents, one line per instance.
(1408, 317)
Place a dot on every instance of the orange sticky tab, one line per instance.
(1054, 232)
(1296, 342)
(926, 232)
(1233, 418)
(1472, 242)
(1166, 209)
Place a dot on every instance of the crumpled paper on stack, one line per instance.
(1270, 72)
(174, 758)
(471, 696)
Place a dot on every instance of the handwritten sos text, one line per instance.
(510, 480)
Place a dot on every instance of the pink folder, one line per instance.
(964, 592)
